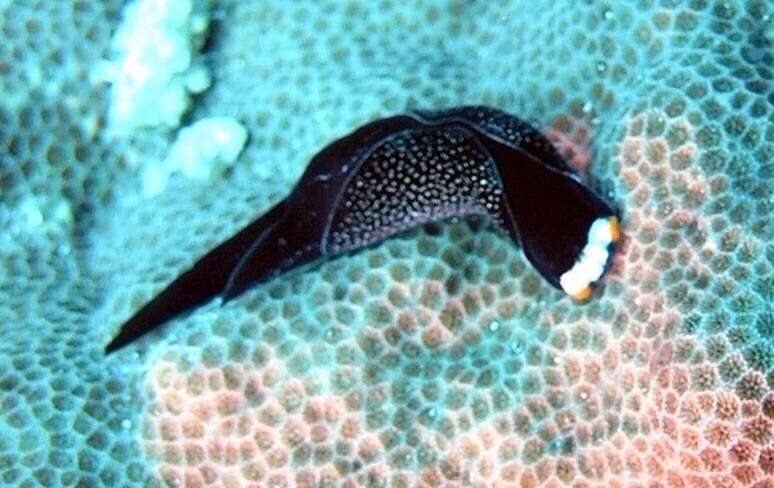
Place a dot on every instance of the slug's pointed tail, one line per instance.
(206, 279)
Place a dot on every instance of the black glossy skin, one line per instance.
(389, 176)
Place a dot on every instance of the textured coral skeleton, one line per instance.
(438, 357)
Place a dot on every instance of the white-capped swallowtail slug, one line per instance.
(396, 173)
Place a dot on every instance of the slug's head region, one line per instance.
(565, 228)
(594, 259)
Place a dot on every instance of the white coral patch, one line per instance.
(154, 67)
(200, 150)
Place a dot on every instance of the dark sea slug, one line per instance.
(394, 174)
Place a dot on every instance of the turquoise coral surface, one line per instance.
(437, 358)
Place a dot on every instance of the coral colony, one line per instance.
(138, 136)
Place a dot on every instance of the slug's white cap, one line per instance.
(590, 266)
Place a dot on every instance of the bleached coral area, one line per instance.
(437, 358)
(154, 68)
